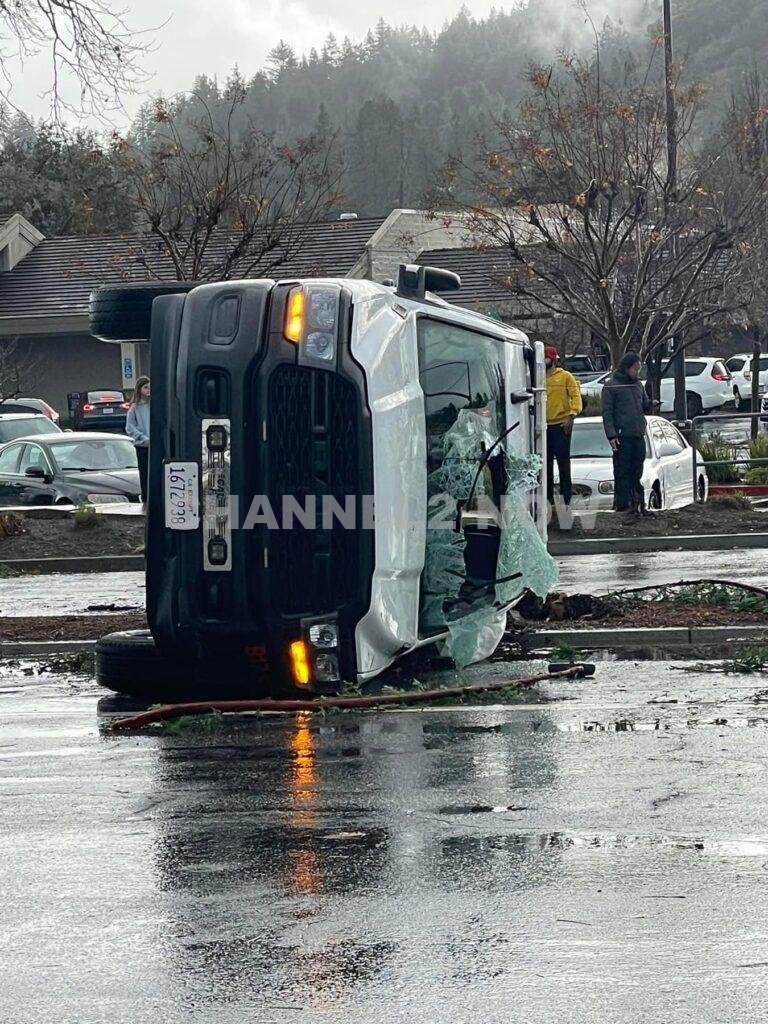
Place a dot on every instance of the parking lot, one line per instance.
(598, 844)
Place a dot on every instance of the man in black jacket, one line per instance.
(625, 404)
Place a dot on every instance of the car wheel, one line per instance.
(693, 405)
(701, 489)
(124, 313)
(128, 662)
(654, 498)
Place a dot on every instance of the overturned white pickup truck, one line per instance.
(340, 472)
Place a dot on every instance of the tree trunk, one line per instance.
(755, 404)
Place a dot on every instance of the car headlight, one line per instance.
(104, 499)
(311, 322)
(605, 487)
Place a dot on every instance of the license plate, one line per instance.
(108, 410)
(182, 496)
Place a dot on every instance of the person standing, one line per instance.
(563, 406)
(137, 428)
(625, 404)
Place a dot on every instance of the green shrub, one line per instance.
(592, 405)
(714, 449)
(85, 515)
(734, 501)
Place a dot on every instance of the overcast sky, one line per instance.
(213, 35)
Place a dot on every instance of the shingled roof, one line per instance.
(56, 278)
(482, 275)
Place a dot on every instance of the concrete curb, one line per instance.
(43, 648)
(84, 564)
(647, 545)
(674, 636)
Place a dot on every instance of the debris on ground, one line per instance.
(11, 525)
(724, 514)
(68, 627)
(687, 603)
(57, 537)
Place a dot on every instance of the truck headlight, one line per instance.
(324, 635)
(605, 487)
(320, 345)
(312, 320)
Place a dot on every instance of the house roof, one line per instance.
(56, 278)
(483, 274)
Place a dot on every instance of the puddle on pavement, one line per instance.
(660, 725)
(588, 841)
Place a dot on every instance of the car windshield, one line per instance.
(589, 442)
(94, 454)
(11, 429)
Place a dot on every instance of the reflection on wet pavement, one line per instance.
(600, 858)
(599, 574)
(70, 594)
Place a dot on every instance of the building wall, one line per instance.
(50, 366)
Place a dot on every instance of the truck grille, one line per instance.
(313, 420)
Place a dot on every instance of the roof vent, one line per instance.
(347, 216)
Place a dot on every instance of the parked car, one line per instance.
(35, 405)
(707, 386)
(740, 368)
(101, 410)
(668, 472)
(24, 424)
(67, 467)
(593, 388)
(582, 367)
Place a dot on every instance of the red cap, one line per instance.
(550, 352)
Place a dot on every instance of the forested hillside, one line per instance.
(401, 100)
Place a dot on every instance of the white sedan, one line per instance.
(667, 476)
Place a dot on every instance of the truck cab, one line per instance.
(341, 472)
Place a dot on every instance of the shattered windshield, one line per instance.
(481, 541)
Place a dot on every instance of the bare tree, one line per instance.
(222, 198)
(88, 42)
(574, 192)
(18, 368)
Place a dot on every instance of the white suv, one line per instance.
(708, 385)
(740, 366)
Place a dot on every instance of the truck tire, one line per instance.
(128, 662)
(124, 312)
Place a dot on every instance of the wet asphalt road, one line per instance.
(599, 574)
(62, 595)
(596, 853)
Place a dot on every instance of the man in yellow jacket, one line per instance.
(563, 406)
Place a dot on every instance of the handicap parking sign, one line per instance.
(128, 368)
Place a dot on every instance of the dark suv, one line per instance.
(100, 410)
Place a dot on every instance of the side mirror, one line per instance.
(36, 473)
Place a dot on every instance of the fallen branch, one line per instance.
(691, 583)
(169, 711)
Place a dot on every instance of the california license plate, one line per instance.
(109, 409)
(182, 495)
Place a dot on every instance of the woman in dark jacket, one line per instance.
(625, 404)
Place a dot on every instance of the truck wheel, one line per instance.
(128, 662)
(124, 312)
